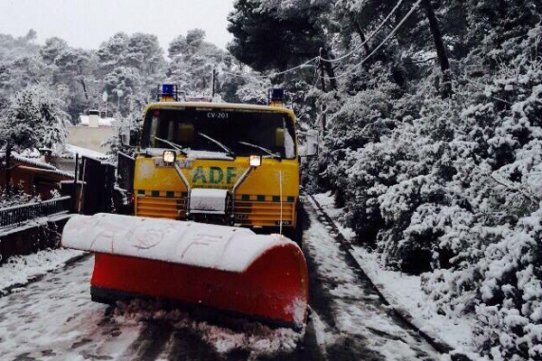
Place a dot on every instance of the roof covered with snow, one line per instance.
(226, 106)
(36, 163)
(74, 149)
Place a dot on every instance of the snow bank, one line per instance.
(196, 244)
(19, 270)
(404, 292)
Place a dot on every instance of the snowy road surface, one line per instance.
(54, 319)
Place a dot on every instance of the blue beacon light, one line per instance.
(277, 94)
(168, 89)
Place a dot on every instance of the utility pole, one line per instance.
(215, 74)
(8, 168)
(323, 83)
(328, 67)
(104, 98)
(440, 47)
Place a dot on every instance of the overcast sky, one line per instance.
(87, 23)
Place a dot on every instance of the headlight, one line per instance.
(169, 156)
(255, 160)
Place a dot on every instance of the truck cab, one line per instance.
(220, 163)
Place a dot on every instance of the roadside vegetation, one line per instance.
(432, 141)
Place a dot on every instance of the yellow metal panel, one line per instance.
(224, 106)
(262, 186)
(264, 180)
(155, 207)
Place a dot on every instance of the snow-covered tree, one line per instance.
(33, 119)
(449, 187)
(131, 66)
(193, 61)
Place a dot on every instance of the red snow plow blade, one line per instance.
(225, 268)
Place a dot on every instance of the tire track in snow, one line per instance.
(187, 345)
(54, 319)
(362, 325)
(152, 338)
(335, 344)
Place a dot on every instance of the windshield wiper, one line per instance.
(228, 150)
(172, 145)
(268, 151)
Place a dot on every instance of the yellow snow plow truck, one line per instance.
(219, 163)
(216, 174)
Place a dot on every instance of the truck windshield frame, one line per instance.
(269, 130)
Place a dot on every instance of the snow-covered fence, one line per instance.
(16, 215)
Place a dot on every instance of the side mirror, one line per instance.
(279, 137)
(310, 148)
(128, 139)
(134, 136)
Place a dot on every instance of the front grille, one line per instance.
(265, 213)
(161, 207)
(254, 210)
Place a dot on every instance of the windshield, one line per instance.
(242, 133)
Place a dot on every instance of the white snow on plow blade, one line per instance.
(196, 244)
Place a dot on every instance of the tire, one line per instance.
(296, 234)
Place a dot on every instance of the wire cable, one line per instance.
(272, 75)
(392, 33)
(319, 59)
(368, 38)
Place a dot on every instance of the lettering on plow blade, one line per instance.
(214, 176)
(147, 237)
(227, 268)
(211, 245)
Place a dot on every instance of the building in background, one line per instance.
(34, 176)
(93, 132)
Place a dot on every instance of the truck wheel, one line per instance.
(296, 234)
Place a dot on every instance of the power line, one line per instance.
(392, 33)
(272, 75)
(320, 59)
(368, 38)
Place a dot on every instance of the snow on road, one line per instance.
(356, 312)
(19, 270)
(405, 292)
(54, 319)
